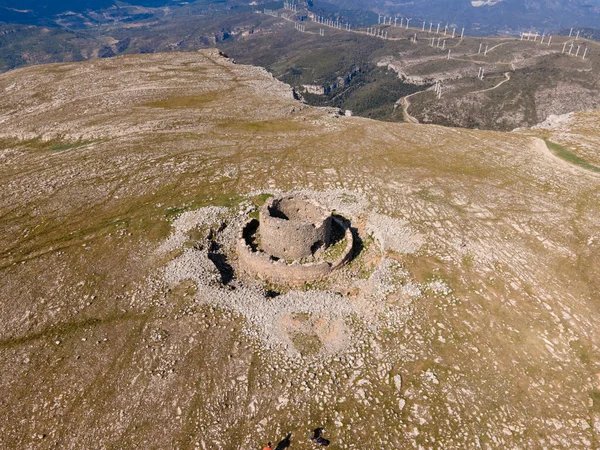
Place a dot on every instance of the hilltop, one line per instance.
(524, 83)
(468, 317)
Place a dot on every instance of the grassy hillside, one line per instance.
(472, 298)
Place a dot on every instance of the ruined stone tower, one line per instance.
(293, 228)
(287, 244)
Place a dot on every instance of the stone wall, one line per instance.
(293, 228)
(261, 265)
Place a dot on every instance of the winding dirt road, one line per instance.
(507, 78)
(405, 103)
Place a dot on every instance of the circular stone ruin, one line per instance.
(293, 228)
(289, 242)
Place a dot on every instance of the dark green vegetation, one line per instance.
(568, 156)
(372, 92)
(596, 399)
(24, 45)
(342, 64)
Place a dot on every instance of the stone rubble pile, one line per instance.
(265, 316)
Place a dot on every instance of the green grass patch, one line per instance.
(274, 288)
(301, 317)
(60, 69)
(258, 201)
(225, 200)
(261, 199)
(8, 143)
(581, 351)
(307, 344)
(570, 157)
(317, 285)
(336, 250)
(596, 400)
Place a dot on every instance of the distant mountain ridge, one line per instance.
(490, 16)
(479, 17)
(40, 12)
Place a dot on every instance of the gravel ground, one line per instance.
(267, 318)
(393, 234)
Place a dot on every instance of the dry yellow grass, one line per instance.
(96, 353)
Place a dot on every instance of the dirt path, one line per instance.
(496, 46)
(506, 78)
(405, 103)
